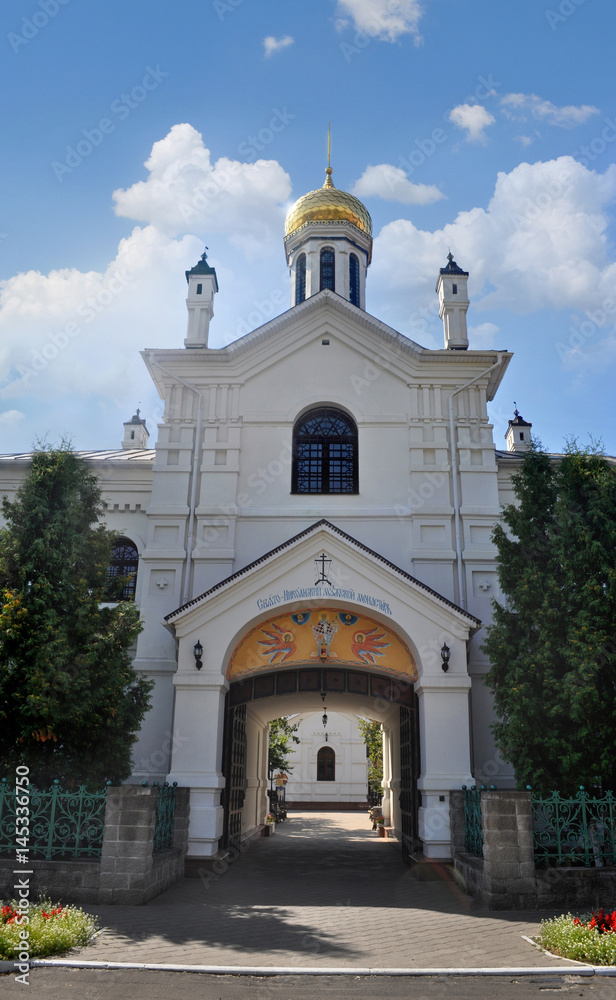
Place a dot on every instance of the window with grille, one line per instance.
(354, 279)
(122, 571)
(300, 279)
(325, 453)
(326, 764)
(328, 269)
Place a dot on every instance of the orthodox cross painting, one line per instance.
(321, 635)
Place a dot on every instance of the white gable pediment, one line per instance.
(284, 580)
(324, 315)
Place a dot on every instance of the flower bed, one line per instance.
(593, 940)
(44, 929)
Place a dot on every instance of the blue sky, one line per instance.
(134, 133)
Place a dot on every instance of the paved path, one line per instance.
(325, 891)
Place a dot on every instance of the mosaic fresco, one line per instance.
(321, 635)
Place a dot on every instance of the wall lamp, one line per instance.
(198, 653)
(445, 656)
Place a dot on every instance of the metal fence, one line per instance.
(578, 831)
(165, 816)
(56, 823)
(473, 832)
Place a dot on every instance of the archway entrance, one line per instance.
(267, 625)
(253, 701)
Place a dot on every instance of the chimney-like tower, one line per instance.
(518, 433)
(202, 286)
(136, 433)
(453, 303)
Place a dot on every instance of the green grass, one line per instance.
(563, 937)
(51, 929)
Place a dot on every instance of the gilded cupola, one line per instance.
(328, 244)
(328, 204)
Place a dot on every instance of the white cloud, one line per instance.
(53, 326)
(474, 118)
(524, 140)
(186, 192)
(541, 243)
(272, 44)
(11, 417)
(519, 107)
(383, 19)
(484, 332)
(391, 183)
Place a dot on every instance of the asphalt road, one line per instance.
(80, 984)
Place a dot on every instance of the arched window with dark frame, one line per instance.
(328, 269)
(354, 279)
(325, 456)
(300, 279)
(326, 764)
(122, 571)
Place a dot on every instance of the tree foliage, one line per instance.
(281, 736)
(372, 736)
(70, 703)
(552, 645)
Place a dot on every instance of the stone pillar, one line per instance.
(508, 860)
(457, 823)
(182, 817)
(444, 735)
(128, 840)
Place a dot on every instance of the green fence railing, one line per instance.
(473, 833)
(165, 816)
(60, 823)
(578, 831)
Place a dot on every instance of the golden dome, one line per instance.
(330, 205)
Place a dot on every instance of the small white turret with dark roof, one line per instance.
(518, 433)
(136, 433)
(202, 286)
(453, 304)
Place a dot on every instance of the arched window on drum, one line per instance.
(326, 764)
(300, 279)
(354, 279)
(122, 571)
(328, 269)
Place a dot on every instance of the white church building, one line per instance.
(314, 522)
(328, 768)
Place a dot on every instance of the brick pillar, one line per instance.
(509, 865)
(128, 840)
(182, 815)
(456, 821)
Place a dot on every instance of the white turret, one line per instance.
(518, 433)
(453, 303)
(136, 433)
(202, 286)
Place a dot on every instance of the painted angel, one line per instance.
(367, 645)
(278, 643)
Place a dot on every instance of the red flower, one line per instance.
(604, 922)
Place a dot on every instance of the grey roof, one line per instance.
(115, 455)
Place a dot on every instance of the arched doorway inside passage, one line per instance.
(287, 664)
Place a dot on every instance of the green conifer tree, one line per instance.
(552, 644)
(70, 703)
